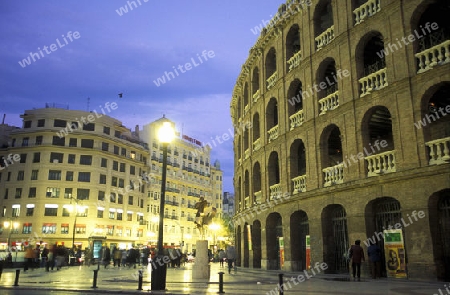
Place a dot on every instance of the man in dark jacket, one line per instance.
(357, 256)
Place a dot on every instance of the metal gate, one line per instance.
(340, 234)
(387, 212)
(444, 225)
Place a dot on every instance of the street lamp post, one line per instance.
(159, 272)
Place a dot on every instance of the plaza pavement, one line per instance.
(179, 281)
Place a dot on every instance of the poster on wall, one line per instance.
(281, 243)
(394, 251)
(249, 235)
(308, 253)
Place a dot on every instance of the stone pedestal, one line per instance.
(201, 267)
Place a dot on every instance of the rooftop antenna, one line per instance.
(88, 103)
(3, 121)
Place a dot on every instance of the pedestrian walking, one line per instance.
(106, 256)
(356, 254)
(117, 256)
(374, 253)
(29, 258)
(221, 257)
(231, 256)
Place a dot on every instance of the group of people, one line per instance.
(356, 255)
(55, 256)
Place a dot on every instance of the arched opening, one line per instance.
(256, 128)
(273, 169)
(439, 216)
(335, 238)
(293, 49)
(271, 68)
(238, 245)
(255, 84)
(381, 214)
(245, 97)
(256, 243)
(378, 140)
(299, 227)
(434, 28)
(246, 190)
(239, 195)
(256, 180)
(239, 109)
(246, 143)
(323, 23)
(295, 104)
(332, 156)
(328, 93)
(297, 162)
(274, 230)
(238, 149)
(272, 119)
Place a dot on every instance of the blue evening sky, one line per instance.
(125, 54)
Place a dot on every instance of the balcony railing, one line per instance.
(297, 119)
(246, 153)
(381, 163)
(256, 95)
(247, 202)
(431, 57)
(275, 191)
(294, 61)
(258, 197)
(333, 175)
(257, 144)
(271, 81)
(374, 81)
(325, 38)
(329, 102)
(273, 133)
(299, 184)
(366, 10)
(439, 151)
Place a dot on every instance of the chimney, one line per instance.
(136, 131)
(3, 121)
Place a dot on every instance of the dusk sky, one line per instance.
(97, 49)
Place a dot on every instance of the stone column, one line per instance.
(201, 267)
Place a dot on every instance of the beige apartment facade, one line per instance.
(350, 109)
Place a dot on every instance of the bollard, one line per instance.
(16, 281)
(280, 282)
(94, 283)
(221, 282)
(140, 281)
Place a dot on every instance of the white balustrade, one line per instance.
(240, 161)
(381, 163)
(436, 55)
(273, 133)
(329, 103)
(247, 202)
(258, 197)
(297, 119)
(246, 153)
(257, 144)
(366, 10)
(325, 38)
(275, 191)
(294, 61)
(439, 151)
(333, 175)
(246, 108)
(271, 81)
(256, 95)
(299, 184)
(374, 81)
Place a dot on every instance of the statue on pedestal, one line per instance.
(204, 214)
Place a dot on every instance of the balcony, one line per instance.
(275, 191)
(366, 10)
(240, 161)
(246, 108)
(258, 197)
(271, 81)
(325, 38)
(439, 151)
(273, 133)
(299, 184)
(381, 163)
(190, 219)
(246, 153)
(329, 103)
(431, 57)
(333, 175)
(256, 95)
(294, 61)
(257, 144)
(247, 202)
(374, 81)
(297, 119)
